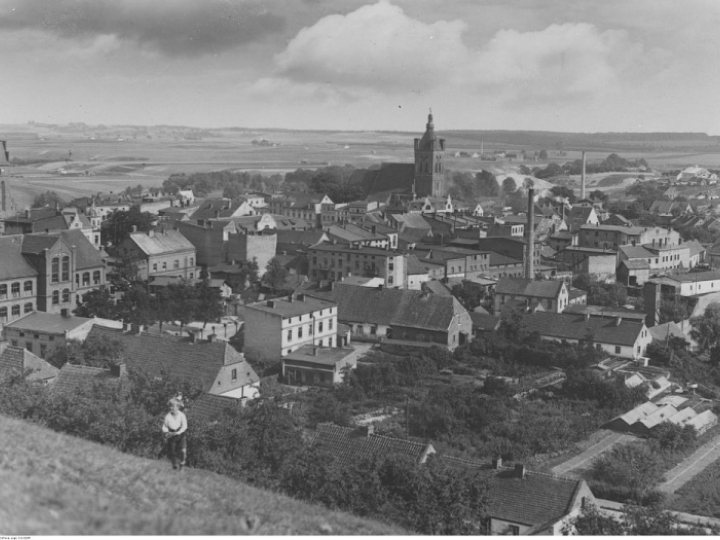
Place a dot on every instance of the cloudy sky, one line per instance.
(558, 65)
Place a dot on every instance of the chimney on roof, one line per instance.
(137, 329)
(300, 297)
(118, 370)
(217, 214)
(151, 233)
(519, 471)
(497, 462)
(270, 304)
(314, 350)
(582, 177)
(290, 298)
(211, 338)
(27, 212)
(381, 287)
(366, 431)
(618, 321)
(134, 228)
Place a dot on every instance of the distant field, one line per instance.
(148, 156)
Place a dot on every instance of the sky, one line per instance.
(551, 65)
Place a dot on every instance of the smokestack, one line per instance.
(529, 261)
(2, 188)
(582, 177)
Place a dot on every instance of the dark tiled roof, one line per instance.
(636, 252)
(208, 209)
(497, 259)
(415, 266)
(697, 276)
(636, 264)
(12, 263)
(349, 446)
(482, 321)
(570, 326)
(17, 360)
(411, 309)
(200, 363)
(528, 287)
(37, 243)
(73, 377)
(50, 323)
(393, 176)
(210, 407)
(574, 292)
(86, 256)
(306, 238)
(535, 500)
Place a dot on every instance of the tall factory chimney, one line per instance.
(530, 246)
(582, 177)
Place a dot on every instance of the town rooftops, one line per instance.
(411, 221)
(589, 250)
(636, 252)
(161, 242)
(48, 323)
(325, 356)
(209, 408)
(72, 378)
(292, 306)
(86, 255)
(696, 276)
(18, 360)
(365, 250)
(484, 322)
(633, 231)
(200, 362)
(350, 446)
(416, 267)
(528, 287)
(636, 264)
(603, 311)
(497, 259)
(521, 496)
(14, 265)
(399, 307)
(615, 331)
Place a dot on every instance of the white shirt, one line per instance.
(175, 422)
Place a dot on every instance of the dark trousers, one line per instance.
(177, 448)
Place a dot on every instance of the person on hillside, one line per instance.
(174, 429)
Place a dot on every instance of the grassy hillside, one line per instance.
(53, 484)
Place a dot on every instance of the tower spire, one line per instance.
(430, 120)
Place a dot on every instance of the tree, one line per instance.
(49, 198)
(469, 294)
(599, 195)
(120, 223)
(137, 307)
(97, 303)
(125, 274)
(564, 192)
(706, 328)
(543, 155)
(208, 304)
(509, 185)
(528, 183)
(275, 274)
(487, 185)
(249, 274)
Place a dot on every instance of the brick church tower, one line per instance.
(429, 166)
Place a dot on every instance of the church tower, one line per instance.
(429, 163)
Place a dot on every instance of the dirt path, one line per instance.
(584, 460)
(685, 470)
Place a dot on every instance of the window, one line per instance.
(55, 297)
(164, 266)
(77, 279)
(28, 345)
(16, 310)
(320, 327)
(233, 374)
(28, 287)
(96, 277)
(66, 268)
(43, 350)
(86, 279)
(299, 332)
(514, 530)
(390, 280)
(192, 261)
(65, 296)
(28, 307)
(154, 267)
(176, 264)
(330, 324)
(15, 288)
(3, 291)
(55, 270)
(289, 335)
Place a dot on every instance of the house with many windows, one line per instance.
(333, 262)
(274, 328)
(164, 253)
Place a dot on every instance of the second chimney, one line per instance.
(529, 252)
(519, 470)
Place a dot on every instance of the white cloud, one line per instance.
(380, 48)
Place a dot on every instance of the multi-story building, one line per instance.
(457, 262)
(333, 262)
(47, 272)
(279, 326)
(614, 236)
(164, 253)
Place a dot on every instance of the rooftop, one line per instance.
(327, 356)
(615, 331)
(287, 306)
(529, 287)
(48, 323)
(158, 243)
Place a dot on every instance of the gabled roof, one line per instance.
(497, 259)
(349, 446)
(411, 221)
(528, 287)
(211, 208)
(169, 241)
(633, 231)
(200, 363)
(537, 499)
(12, 263)
(696, 276)
(86, 255)
(209, 408)
(18, 360)
(695, 247)
(577, 327)
(415, 266)
(483, 321)
(636, 264)
(412, 309)
(637, 252)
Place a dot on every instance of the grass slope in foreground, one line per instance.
(55, 484)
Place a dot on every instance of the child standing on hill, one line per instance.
(174, 428)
